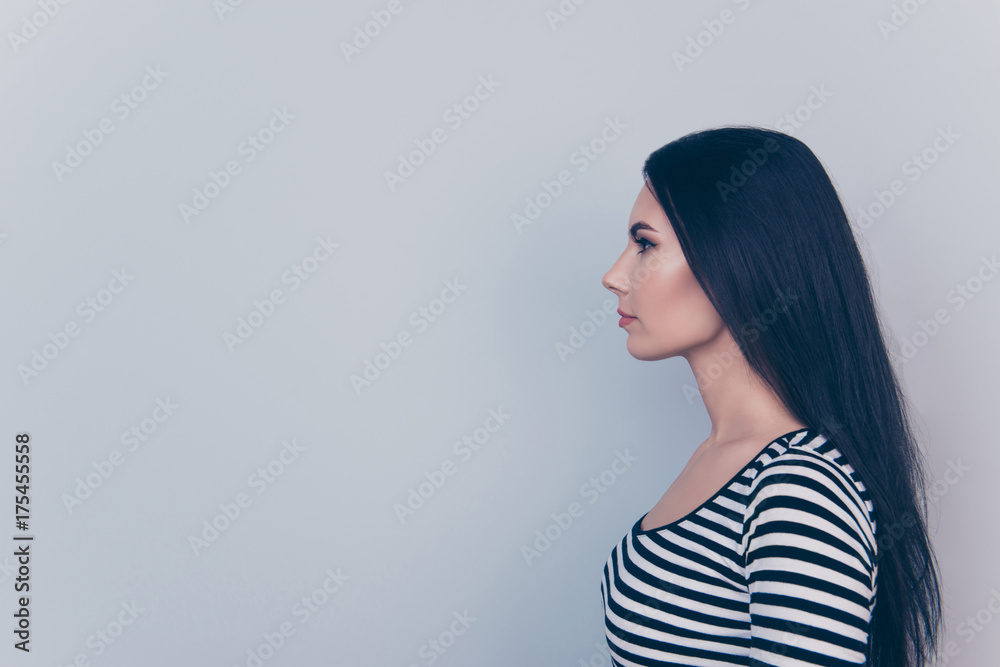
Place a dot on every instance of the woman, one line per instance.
(796, 533)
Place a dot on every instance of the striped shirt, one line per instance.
(779, 568)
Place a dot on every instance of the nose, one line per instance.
(614, 279)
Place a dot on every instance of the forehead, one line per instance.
(648, 210)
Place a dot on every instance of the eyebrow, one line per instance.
(639, 225)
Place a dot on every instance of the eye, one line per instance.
(641, 241)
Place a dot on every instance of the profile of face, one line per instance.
(654, 284)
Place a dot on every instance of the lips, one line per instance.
(626, 318)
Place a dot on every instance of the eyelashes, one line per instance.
(642, 241)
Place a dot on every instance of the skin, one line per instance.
(674, 317)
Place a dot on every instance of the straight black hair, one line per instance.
(757, 215)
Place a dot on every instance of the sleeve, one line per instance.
(810, 565)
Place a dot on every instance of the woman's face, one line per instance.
(655, 285)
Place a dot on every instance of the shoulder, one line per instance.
(811, 462)
(809, 490)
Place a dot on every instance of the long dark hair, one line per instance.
(757, 217)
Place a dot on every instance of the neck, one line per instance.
(740, 405)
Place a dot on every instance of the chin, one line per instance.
(646, 353)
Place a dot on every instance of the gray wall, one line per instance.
(130, 178)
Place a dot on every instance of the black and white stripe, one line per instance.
(777, 569)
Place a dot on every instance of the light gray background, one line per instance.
(494, 347)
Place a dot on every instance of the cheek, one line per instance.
(672, 299)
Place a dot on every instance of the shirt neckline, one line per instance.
(637, 530)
